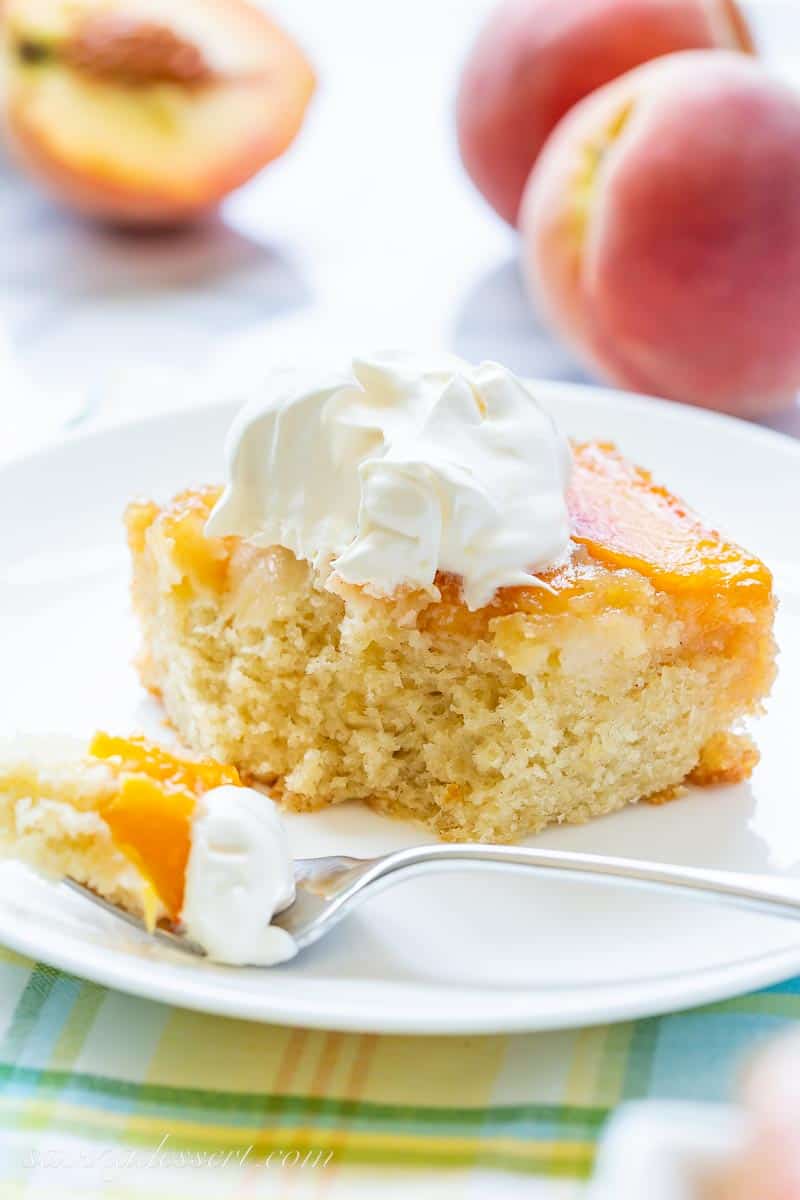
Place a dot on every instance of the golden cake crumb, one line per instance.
(667, 795)
(726, 758)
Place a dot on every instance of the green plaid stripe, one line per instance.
(110, 1073)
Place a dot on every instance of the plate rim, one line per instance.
(658, 996)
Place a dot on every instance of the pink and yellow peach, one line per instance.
(141, 112)
(661, 232)
(535, 59)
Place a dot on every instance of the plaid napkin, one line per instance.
(104, 1095)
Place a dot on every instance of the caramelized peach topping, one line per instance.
(150, 816)
(621, 521)
(624, 519)
(204, 561)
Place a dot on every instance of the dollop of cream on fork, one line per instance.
(240, 873)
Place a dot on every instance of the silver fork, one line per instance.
(328, 889)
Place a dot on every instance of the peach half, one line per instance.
(144, 113)
(661, 232)
(535, 59)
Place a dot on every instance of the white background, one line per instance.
(366, 234)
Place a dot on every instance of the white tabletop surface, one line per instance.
(367, 234)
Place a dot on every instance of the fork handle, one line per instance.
(777, 896)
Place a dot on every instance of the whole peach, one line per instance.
(535, 59)
(661, 232)
(142, 112)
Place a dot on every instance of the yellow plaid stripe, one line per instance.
(77, 1061)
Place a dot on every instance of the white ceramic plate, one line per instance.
(458, 953)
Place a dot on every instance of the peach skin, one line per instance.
(143, 113)
(661, 232)
(535, 59)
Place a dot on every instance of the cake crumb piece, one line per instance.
(725, 758)
(667, 795)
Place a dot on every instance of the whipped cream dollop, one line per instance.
(398, 468)
(239, 874)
